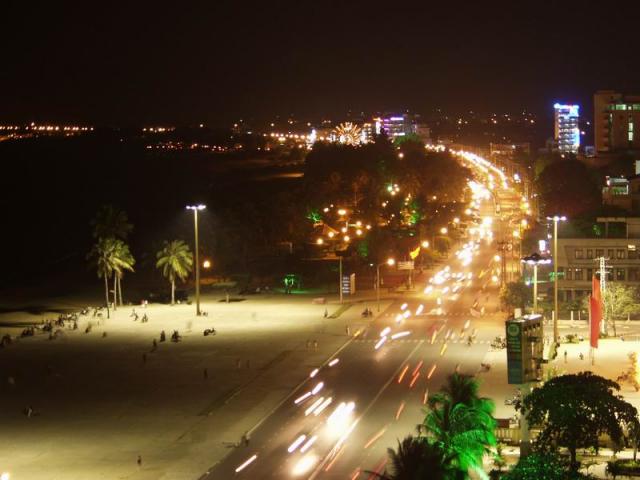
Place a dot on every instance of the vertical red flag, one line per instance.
(595, 312)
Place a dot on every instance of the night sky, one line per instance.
(116, 63)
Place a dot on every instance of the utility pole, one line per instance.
(603, 285)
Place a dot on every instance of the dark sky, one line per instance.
(217, 61)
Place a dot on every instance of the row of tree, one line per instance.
(112, 257)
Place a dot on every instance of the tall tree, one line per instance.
(461, 424)
(619, 300)
(176, 261)
(102, 257)
(514, 295)
(111, 222)
(572, 411)
(568, 188)
(123, 261)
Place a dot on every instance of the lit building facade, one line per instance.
(616, 121)
(578, 257)
(567, 130)
(396, 125)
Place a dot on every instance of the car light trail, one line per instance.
(313, 373)
(400, 409)
(317, 388)
(356, 474)
(403, 306)
(335, 458)
(433, 336)
(322, 406)
(443, 349)
(373, 439)
(376, 473)
(417, 369)
(380, 343)
(313, 406)
(333, 362)
(433, 369)
(296, 443)
(385, 331)
(308, 444)
(304, 465)
(419, 309)
(414, 379)
(400, 334)
(425, 396)
(402, 373)
(248, 462)
(302, 398)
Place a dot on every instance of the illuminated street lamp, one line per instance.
(206, 264)
(390, 262)
(196, 209)
(425, 244)
(535, 259)
(556, 219)
(444, 230)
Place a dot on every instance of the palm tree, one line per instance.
(111, 222)
(176, 261)
(460, 388)
(461, 423)
(463, 433)
(123, 260)
(416, 459)
(101, 256)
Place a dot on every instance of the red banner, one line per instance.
(595, 317)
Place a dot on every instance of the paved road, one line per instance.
(368, 377)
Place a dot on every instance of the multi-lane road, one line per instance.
(339, 423)
(372, 392)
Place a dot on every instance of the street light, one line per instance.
(390, 262)
(196, 209)
(556, 219)
(425, 244)
(535, 259)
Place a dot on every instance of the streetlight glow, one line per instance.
(425, 244)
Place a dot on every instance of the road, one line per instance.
(339, 423)
(384, 408)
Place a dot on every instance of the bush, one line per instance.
(626, 467)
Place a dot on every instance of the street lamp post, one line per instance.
(535, 259)
(340, 278)
(196, 209)
(556, 219)
(389, 262)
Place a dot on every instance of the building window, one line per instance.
(620, 254)
(634, 274)
(578, 274)
(589, 273)
(589, 253)
(620, 274)
(632, 253)
(579, 253)
(569, 274)
(599, 252)
(610, 253)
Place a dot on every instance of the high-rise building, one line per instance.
(396, 125)
(616, 121)
(567, 130)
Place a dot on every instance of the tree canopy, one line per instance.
(567, 187)
(572, 411)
